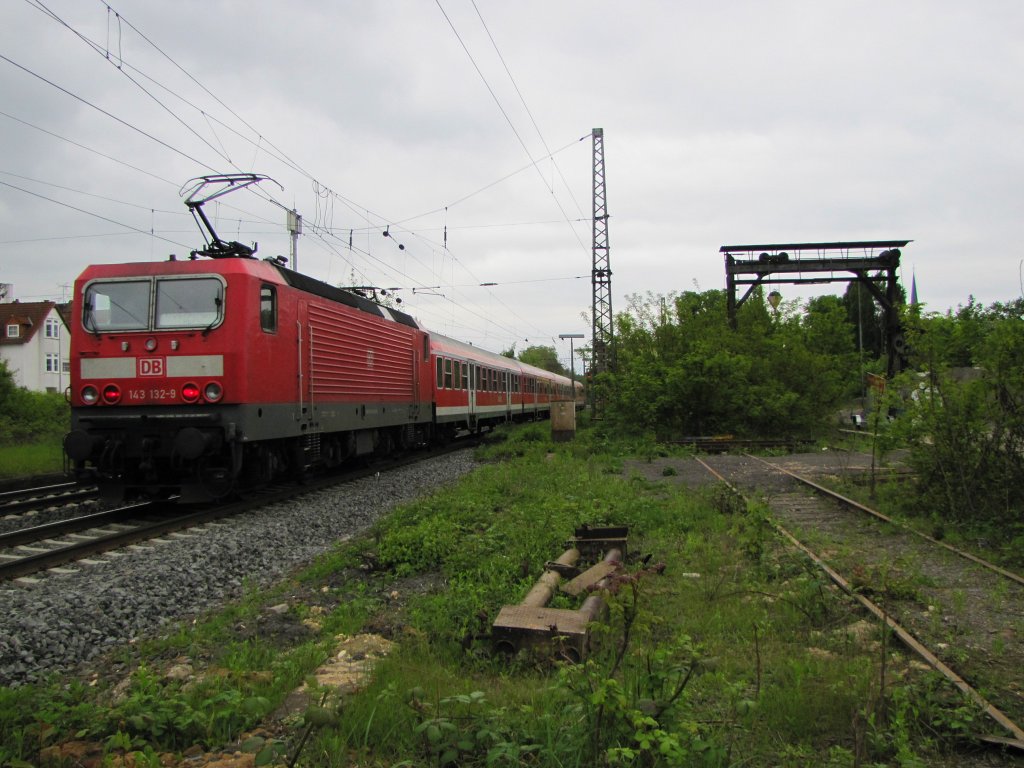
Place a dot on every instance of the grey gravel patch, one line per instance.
(64, 619)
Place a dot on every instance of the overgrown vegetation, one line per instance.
(957, 409)
(720, 646)
(32, 425)
(961, 413)
(681, 370)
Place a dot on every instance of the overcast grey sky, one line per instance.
(725, 123)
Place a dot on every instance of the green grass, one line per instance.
(726, 649)
(40, 458)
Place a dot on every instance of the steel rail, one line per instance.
(911, 642)
(875, 513)
(35, 502)
(64, 527)
(19, 492)
(67, 553)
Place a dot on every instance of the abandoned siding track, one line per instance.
(969, 616)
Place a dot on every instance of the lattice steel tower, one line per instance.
(603, 359)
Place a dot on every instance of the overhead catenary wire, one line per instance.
(88, 149)
(260, 144)
(148, 233)
(529, 112)
(501, 108)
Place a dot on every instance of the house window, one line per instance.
(52, 362)
(13, 331)
(52, 328)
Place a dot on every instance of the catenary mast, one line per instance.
(603, 355)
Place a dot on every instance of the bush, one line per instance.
(29, 416)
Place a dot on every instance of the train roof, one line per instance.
(263, 269)
(342, 296)
(453, 346)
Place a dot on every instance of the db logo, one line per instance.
(151, 366)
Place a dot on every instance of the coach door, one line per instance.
(474, 384)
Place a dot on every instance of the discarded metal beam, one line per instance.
(594, 542)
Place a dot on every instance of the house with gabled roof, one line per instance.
(35, 344)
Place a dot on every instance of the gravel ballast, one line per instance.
(65, 619)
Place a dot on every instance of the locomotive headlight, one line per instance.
(213, 392)
(111, 394)
(150, 344)
(90, 394)
(190, 393)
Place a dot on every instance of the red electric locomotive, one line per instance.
(190, 375)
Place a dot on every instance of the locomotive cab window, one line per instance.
(268, 309)
(121, 305)
(191, 302)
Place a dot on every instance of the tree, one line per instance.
(962, 412)
(866, 319)
(682, 370)
(542, 357)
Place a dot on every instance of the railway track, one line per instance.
(19, 501)
(30, 550)
(961, 615)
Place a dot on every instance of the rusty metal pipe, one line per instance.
(540, 594)
(594, 606)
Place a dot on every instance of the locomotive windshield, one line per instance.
(139, 305)
(117, 306)
(188, 303)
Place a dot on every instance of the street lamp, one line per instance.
(572, 360)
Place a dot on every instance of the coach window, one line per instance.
(465, 375)
(268, 309)
(456, 374)
(440, 373)
(447, 373)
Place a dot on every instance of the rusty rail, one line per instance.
(908, 639)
